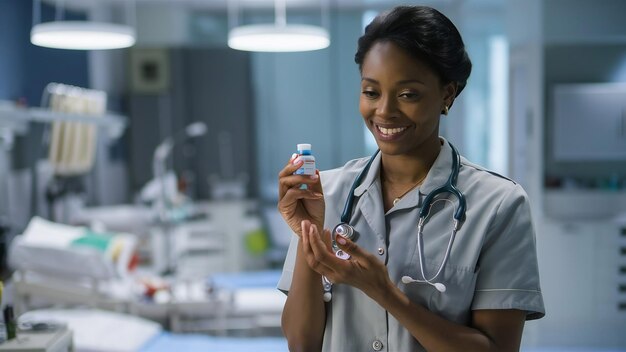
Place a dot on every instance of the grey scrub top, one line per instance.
(492, 265)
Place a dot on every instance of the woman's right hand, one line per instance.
(296, 204)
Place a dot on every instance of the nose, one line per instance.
(386, 107)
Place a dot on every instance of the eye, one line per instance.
(409, 95)
(368, 93)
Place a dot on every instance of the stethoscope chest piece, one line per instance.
(346, 231)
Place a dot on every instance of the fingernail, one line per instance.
(314, 177)
(297, 160)
(341, 240)
(293, 156)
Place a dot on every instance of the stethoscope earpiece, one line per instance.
(437, 285)
(407, 279)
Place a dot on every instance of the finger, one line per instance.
(304, 226)
(306, 245)
(287, 179)
(320, 250)
(297, 180)
(292, 165)
(351, 248)
(327, 239)
(294, 194)
(315, 247)
(316, 186)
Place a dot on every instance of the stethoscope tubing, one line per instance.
(459, 217)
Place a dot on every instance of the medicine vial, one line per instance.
(304, 153)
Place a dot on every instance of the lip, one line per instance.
(389, 138)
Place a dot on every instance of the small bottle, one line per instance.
(304, 153)
(9, 322)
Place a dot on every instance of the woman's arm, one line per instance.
(304, 314)
(490, 330)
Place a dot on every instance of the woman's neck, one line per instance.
(399, 174)
(407, 168)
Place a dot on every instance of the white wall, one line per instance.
(579, 259)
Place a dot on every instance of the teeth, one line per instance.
(390, 131)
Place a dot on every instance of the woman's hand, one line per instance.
(362, 270)
(295, 204)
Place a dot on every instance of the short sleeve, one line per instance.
(508, 271)
(284, 284)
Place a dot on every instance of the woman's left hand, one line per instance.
(362, 270)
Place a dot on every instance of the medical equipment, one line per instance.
(102, 331)
(34, 338)
(346, 230)
(55, 265)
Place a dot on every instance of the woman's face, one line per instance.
(401, 99)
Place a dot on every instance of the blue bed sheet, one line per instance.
(572, 349)
(246, 279)
(168, 342)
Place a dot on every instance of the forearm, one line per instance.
(433, 332)
(304, 314)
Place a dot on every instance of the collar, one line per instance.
(437, 175)
(441, 169)
(371, 177)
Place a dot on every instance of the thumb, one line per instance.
(350, 247)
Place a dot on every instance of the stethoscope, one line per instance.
(346, 230)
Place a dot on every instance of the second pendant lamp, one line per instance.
(279, 36)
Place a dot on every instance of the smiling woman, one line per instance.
(406, 205)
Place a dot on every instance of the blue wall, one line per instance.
(12, 27)
(25, 69)
(309, 97)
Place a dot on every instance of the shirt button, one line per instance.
(381, 251)
(377, 345)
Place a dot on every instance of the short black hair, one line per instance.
(424, 33)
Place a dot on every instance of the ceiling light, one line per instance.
(272, 38)
(82, 35)
(79, 35)
(279, 36)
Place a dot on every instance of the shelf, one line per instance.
(16, 119)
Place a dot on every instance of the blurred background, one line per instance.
(141, 180)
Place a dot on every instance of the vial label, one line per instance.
(308, 167)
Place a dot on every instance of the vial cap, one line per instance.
(304, 146)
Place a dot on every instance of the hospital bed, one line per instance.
(104, 331)
(67, 265)
(55, 273)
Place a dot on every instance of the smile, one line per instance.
(390, 131)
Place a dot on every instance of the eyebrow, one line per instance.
(404, 81)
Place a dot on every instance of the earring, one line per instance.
(445, 110)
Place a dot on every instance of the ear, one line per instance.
(449, 93)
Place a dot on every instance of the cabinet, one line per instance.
(581, 265)
(589, 122)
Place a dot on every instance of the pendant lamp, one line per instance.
(78, 35)
(279, 36)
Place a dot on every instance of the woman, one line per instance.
(413, 65)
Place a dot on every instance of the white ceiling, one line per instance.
(265, 4)
(201, 22)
